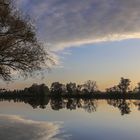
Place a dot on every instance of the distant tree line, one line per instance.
(88, 89)
(70, 89)
(124, 87)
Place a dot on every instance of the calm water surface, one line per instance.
(70, 119)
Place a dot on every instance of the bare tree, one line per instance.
(90, 86)
(19, 48)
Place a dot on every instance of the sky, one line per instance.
(88, 39)
(17, 126)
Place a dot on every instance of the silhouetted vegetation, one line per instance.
(122, 87)
(87, 90)
(90, 105)
(121, 104)
(20, 50)
(72, 96)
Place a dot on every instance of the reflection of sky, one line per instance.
(105, 124)
(15, 128)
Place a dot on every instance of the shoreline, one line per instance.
(135, 96)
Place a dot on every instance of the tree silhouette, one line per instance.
(78, 89)
(19, 48)
(71, 88)
(90, 86)
(137, 88)
(113, 89)
(38, 90)
(124, 85)
(57, 89)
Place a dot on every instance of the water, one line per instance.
(72, 119)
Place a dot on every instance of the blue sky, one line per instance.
(89, 39)
(104, 62)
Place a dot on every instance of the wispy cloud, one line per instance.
(71, 23)
(65, 23)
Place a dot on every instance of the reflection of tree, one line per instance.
(137, 104)
(57, 104)
(41, 102)
(72, 104)
(79, 103)
(121, 104)
(90, 105)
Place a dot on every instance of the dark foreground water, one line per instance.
(72, 119)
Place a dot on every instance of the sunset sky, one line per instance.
(89, 39)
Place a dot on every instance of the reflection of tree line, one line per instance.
(121, 104)
(88, 104)
(72, 96)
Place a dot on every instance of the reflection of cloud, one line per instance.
(15, 128)
(66, 23)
